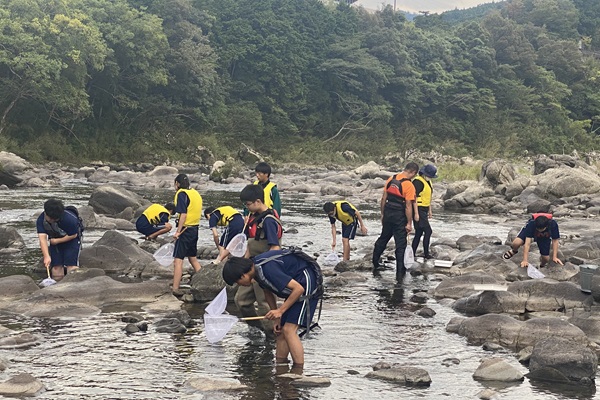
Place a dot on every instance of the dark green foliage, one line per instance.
(141, 80)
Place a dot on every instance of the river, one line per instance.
(362, 323)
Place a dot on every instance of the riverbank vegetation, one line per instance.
(140, 80)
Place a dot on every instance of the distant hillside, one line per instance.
(458, 16)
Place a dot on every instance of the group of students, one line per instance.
(266, 269)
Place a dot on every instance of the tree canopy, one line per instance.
(153, 80)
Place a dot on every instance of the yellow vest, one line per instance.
(343, 216)
(268, 199)
(424, 199)
(153, 212)
(227, 213)
(194, 210)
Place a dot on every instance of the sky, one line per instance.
(434, 6)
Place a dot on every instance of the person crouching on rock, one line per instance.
(59, 234)
(543, 230)
(154, 221)
(231, 219)
(288, 276)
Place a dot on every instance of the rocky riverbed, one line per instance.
(537, 330)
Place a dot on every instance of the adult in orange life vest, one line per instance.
(397, 205)
(188, 203)
(350, 218)
(154, 221)
(228, 217)
(542, 229)
(424, 190)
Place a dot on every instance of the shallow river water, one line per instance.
(362, 323)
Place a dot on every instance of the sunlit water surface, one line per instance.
(362, 323)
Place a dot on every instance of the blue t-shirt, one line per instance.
(550, 233)
(183, 202)
(68, 223)
(282, 270)
(346, 208)
(214, 219)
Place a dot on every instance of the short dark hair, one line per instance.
(263, 167)
(252, 193)
(54, 208)
(328, 207)
(170, 207)
(183, 180)
(208, 211)
(412, 167)
(234, 268)
(542, 222)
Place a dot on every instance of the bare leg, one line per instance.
(292, 340)
(281, 349)
(195, 263)
(518, 242)
(58, 272)
(346, 249)
(177, 272)
(544, 260)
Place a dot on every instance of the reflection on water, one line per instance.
(362, 323)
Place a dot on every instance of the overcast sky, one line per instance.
(435, 6)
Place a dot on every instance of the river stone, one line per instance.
(10, 240)
(132, 318)
(19, 341)
(164, 171)
(311, 381)
(487, 394)
(461, 286)
(112, 199)
(207, 384)
(169, 325)
(562, 182)
(497, 172)
(560, 359)
(82, 274)
(183, 317)
(406, 375)
(21, 385)
(208, 282)
(12, 163)
(497, 369)
(17, 286)
(426, 312)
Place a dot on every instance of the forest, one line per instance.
(152, 80)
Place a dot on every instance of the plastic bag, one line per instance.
(409, 257)
(534, 273)
(164, 255)
(238, 245)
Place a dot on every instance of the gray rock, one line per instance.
(15, 286)
(497, 172)
(559, 359)
(113, 199)
(131, 328)
(183, 317)
(426, 312)
(209, 384)
(420, 298)
(496, 369)
(405, 375)
(10, 240)
(487, 394)
(311, 381)
(132, 318)
(21, 385)
(562, 182)
(169, 325)
(19, 341)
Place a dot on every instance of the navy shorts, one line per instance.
(296, 314)
(349, 231)
(146, 228)
(236, 225)
(66, 254)
(187, 243)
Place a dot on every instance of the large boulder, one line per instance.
(558, 359)
(562, 182)
(463, 285)
(117, 253)
(10, 240)
(112, 199)
(208, 282)
(13, 164)
(16, 286)
(511, 333)
(498, 172)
